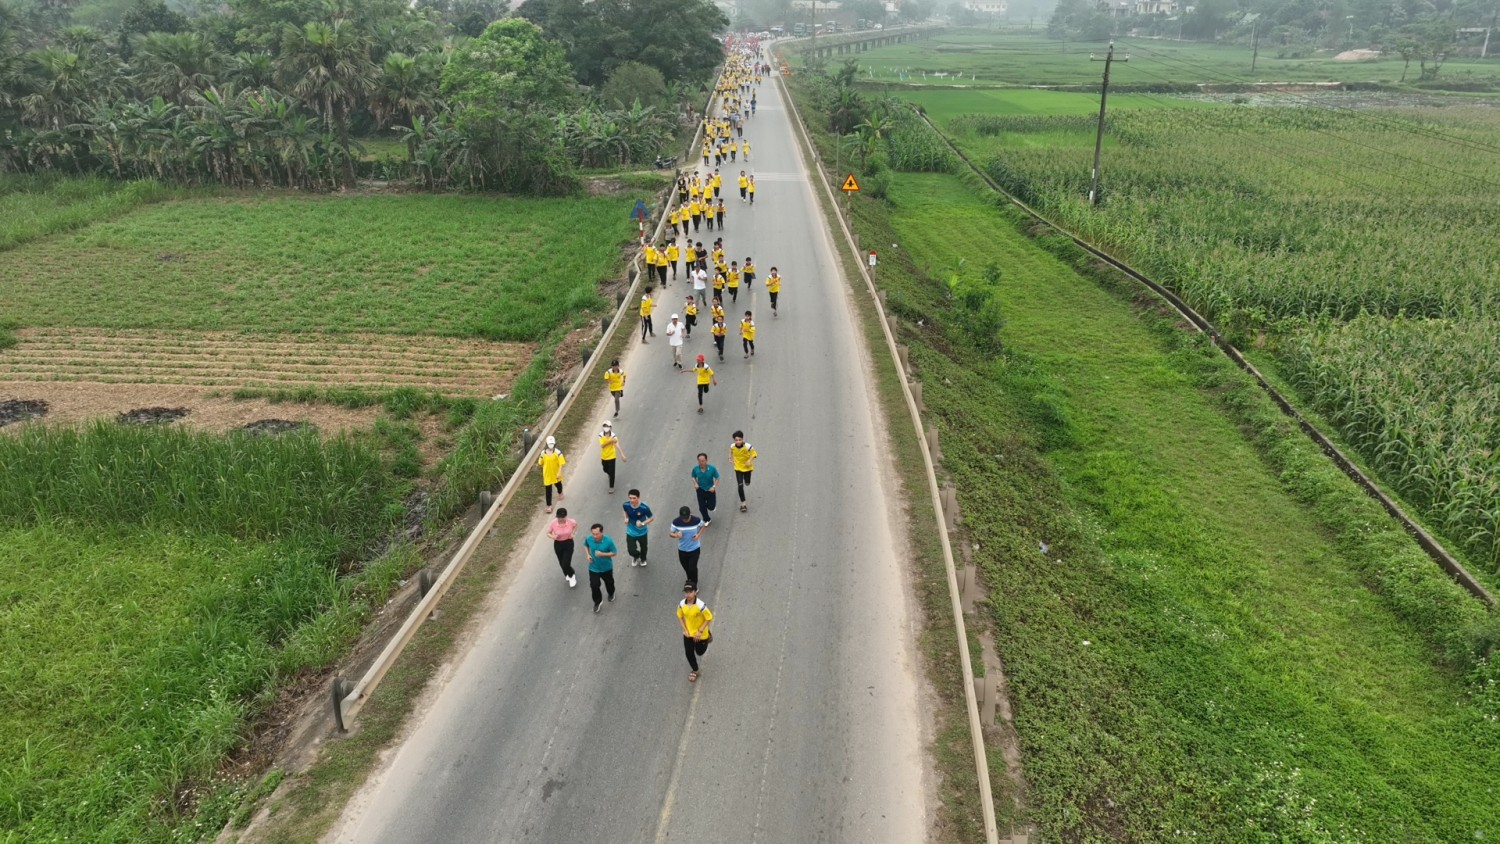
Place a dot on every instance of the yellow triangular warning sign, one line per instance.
(850, 184)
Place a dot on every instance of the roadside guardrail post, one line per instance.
(528, 439)
(339, 691)
(916, 393)
(932, 444)
(424, 577)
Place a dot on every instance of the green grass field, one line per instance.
(498, 268)
(36, 206)
(1199, 655)
(158, 586)
(982, 58)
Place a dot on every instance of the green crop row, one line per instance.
(913, 146)
(1420, 399)
(1262, 213)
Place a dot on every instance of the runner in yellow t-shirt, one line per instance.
(752, 190)
(646, 326)
(732, 281)
(705, 378)
(744, 185)
(747, 335)
(773, 287)
(552, 462)
(743, 455)
(719, 330)
(695, 618)
(690, 317)
(673, 253)
(661, 265)
(614, 379)
(749, 271)
(609, 449)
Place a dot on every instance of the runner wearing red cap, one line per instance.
(705, 378)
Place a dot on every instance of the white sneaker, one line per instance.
(572, 581)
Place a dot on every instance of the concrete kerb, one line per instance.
(349, 700)
(971, 690)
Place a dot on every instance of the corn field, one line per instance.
(1363, 242)
(1420, 399)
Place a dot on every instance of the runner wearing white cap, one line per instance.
(609, 447)
(675, 330)
(552, 462)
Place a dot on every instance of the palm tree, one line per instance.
(403, 90)
(62, 87)
(252, 70)
(176, 66)
(327, 66)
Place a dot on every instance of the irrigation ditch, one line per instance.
(1429, 544)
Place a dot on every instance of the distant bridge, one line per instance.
(828, 46)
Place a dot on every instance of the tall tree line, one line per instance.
(279, 92)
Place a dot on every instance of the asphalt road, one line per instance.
(559, 725)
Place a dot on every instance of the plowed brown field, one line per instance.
(230, 360)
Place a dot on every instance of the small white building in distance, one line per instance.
(988, 7)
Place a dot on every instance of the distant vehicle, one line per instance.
(831, 26)
(880, 26)
(799, 29)
(778, 31)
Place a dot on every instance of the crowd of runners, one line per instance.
(709, 279)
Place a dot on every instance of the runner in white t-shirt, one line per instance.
(674, 339)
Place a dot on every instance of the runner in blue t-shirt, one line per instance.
(688, 530)
(706, 484)
(637, 517)
(601, 551)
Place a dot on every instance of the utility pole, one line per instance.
(1109, 59)
(1254, 44)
